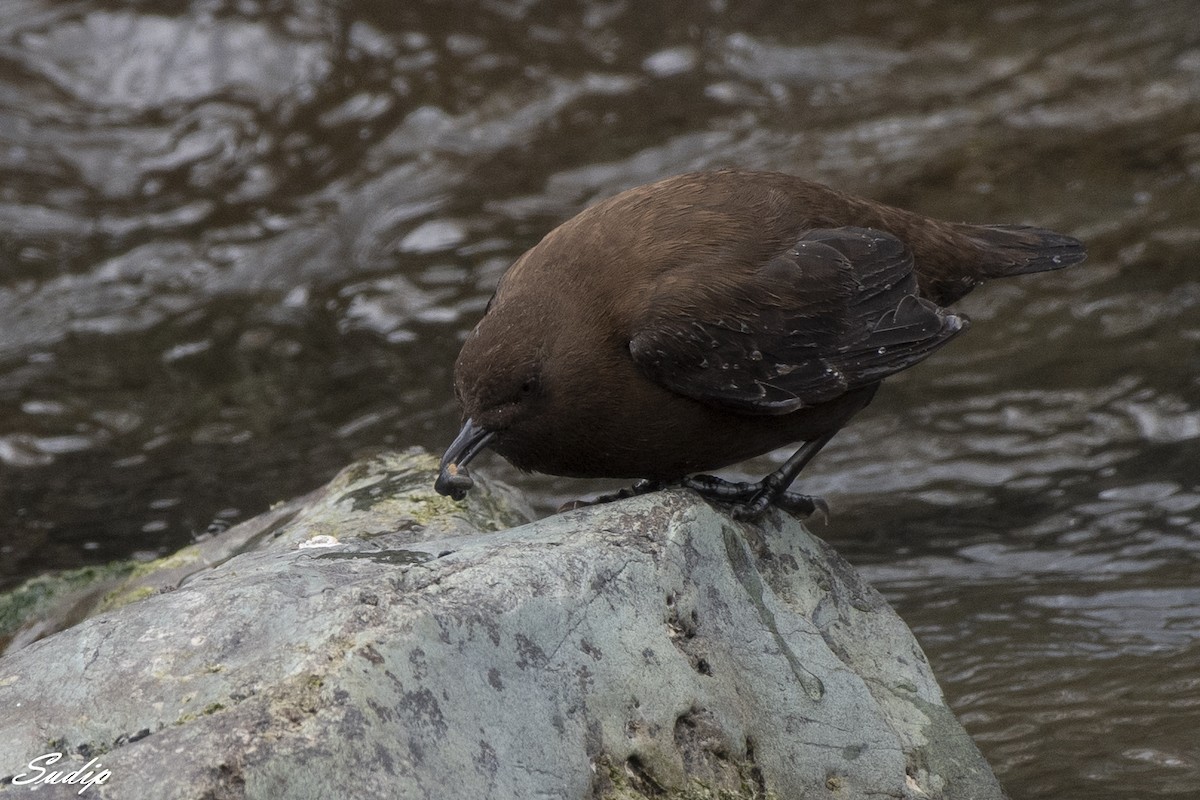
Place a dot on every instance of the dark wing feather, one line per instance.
(837, 311)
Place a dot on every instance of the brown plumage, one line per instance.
(707, 318)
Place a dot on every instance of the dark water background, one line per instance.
(240, 242)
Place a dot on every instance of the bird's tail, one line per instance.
(977, 253)
(1018, 249)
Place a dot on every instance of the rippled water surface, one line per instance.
(241, 241)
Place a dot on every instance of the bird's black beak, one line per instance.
(453, 479)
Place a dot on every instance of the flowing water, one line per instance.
(241, 240)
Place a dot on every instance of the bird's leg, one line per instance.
(750, 500)
(639, 488)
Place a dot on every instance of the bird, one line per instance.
(692, 323)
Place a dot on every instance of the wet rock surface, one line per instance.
(373, 642)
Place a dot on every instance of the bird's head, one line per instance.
(500, 385)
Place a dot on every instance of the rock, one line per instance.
(374, 642)
(370, 496)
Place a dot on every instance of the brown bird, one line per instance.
(695, 322)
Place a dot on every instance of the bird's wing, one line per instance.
(837, 311)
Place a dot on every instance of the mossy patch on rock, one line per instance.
(47, 603)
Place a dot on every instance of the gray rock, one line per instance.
(648, 648)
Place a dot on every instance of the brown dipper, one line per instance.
(704, 319)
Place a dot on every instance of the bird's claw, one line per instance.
(749, 501)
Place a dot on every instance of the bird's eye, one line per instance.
(528, 386)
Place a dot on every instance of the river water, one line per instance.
(240, 242)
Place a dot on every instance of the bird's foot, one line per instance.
(749, 501)
(639, 488)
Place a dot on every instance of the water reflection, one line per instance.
(240, 242)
